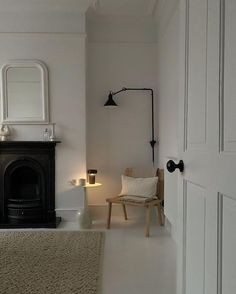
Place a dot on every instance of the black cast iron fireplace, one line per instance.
(27, 184)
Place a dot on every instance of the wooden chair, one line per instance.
(148, 205)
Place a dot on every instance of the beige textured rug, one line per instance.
(50, 262)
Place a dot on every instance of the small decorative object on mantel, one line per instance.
(46, 135)
(49, 133)
(52, 135)
(4, 133)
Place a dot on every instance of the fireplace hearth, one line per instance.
(27, 184)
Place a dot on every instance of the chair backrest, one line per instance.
(129, 172)
(160, 185)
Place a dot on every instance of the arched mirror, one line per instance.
(24, 93)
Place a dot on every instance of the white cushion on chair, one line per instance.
(141, 187)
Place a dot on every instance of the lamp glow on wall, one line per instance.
(112, 104)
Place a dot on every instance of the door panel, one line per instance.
(197, 71)
(228, 245)
(195, 238)
(229, 76)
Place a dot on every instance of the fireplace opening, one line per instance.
(24, 184)
(24, 192)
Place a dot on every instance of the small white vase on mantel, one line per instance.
(4, 132)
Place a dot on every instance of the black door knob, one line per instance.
(172, 166)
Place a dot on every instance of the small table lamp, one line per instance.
(91, 176)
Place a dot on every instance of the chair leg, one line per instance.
(163, 216)
(159, 212)
(125, 212)
(148, 216)
(109, 215)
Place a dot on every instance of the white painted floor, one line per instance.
(134, 264)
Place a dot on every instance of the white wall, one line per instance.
(121, 52)
(168, 78)
(64, 53)
(119, 138)
(168, 81)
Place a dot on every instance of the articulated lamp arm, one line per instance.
(111, 102)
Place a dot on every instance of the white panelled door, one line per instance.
(207, 188)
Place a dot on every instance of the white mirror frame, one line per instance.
(45, 100)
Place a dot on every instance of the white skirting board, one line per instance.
(99, 212)
(67, 214)
(172, 229)
(171, 198)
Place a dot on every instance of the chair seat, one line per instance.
(135, 200)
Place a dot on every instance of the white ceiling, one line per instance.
(45, 5)
(100, 7)
(125, 7)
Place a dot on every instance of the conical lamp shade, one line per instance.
(110, 102)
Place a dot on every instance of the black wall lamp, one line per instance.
(111, 103)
